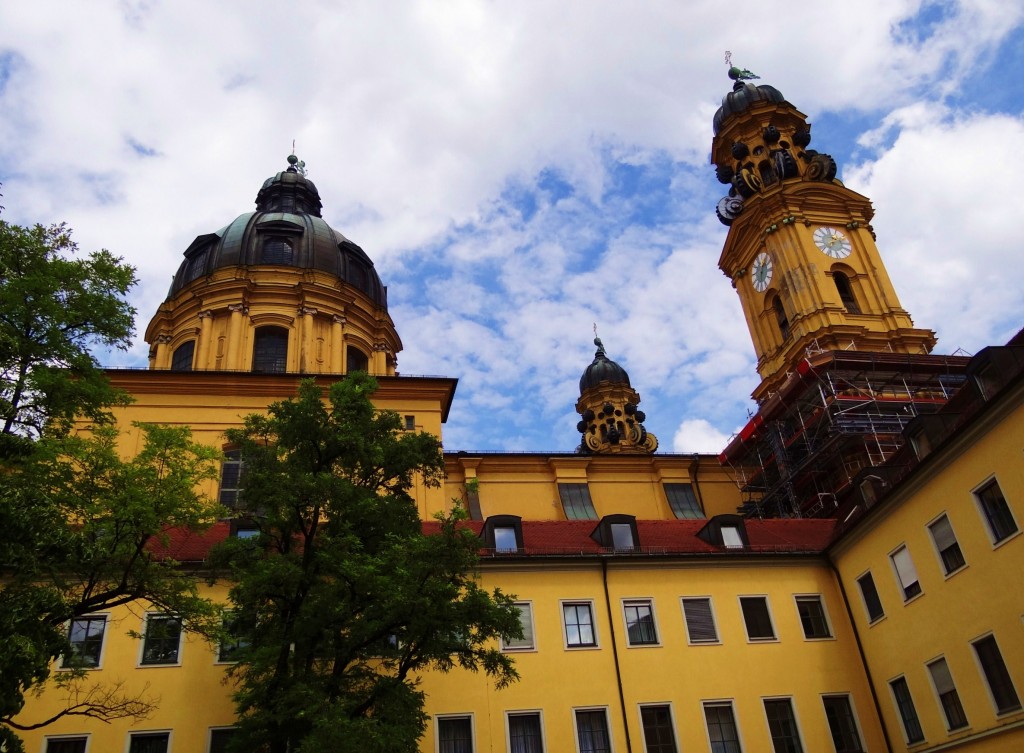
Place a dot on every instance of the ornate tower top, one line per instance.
(610, 420)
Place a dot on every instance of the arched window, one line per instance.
(357, 360)
(270, 350)
(780, 317)
(183, 356)
(276, 251)
(846, 292)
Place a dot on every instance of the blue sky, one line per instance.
(520, 172)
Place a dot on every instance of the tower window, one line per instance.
(846, 293)
(276, 251)
(270, 350)
(183, 355)
(780, 317)
(357, 360)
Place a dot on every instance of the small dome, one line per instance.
(286, 230)
(743, 95)
(603, 369)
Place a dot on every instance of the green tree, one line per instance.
(341, 598)
(53, 309)
(84, 530)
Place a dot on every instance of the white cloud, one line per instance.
(697, 435)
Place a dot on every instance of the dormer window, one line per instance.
(617, 532)
(731, 538)
(276, 251)
(503, 534)
(728, 531)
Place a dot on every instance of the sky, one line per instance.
(520, 172)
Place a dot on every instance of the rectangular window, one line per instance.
(756, 618)
(640, 623)
(162, 642)
(524, 734)
(579, 625)
(592, 731)
(683, 502)
(782, 725)
(66, 744)
(230, 478)
(998, 516)
(659, 736)
(622, 537)
(812, 617)
(576, 502)
(700, 620)
(906, 573)
(842, 724)
(905, 708)
(1004, 696)
(220, 738)
(525, 643)
(872, 603)
(949, 699)
(230, 646)
(505, 539)
(454, 734)
(946, 545)
(86, 638)
(731, 538)
(722, 732)
(410, 423)
(149, 742)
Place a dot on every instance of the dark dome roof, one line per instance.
(603, 369)
(742, 96)
(286, 230)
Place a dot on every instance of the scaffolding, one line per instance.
(839, 412)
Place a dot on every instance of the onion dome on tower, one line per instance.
(276, 290)
(610, 420)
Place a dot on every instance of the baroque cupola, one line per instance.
(276, 290)
(801, 250)
(610, 421)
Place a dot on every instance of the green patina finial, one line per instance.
(741, 74)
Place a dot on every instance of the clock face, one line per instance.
(761, 271)
(833, 242)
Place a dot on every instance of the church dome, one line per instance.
(743, 95)
(603, 369)
(285, 230)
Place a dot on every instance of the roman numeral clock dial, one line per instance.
(761, 272)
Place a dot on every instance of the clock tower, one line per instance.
(801, 251)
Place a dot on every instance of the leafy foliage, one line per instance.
(52, 310)
(342, 599)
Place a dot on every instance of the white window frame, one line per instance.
(731, 703)
(938, 698)
(533, 632)
(824, 612)
(984, 677)
(639, 601)
(869, 620)
(853, 712)
(980, 506)
(938, 552)
(771, 618)
(141, 732)
(461, 715)
(734, 539)
(671, 716)
(209, 735)
(899, 577)
(103, 643)
(607, 725)
(539, 713)
(593, 621)
(142, 642)
(899, 714)
(796, 718)
(75, 736)
(714, 621)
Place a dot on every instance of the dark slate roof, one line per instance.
(602, 369)
(743, 95)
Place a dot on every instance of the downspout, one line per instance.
(693, 482)
(615, 652)
(863, 657)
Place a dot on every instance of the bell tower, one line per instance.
(801, 251)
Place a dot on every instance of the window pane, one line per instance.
(524, 733)
(356, 360)
(782, 725)
(230, 478)
(66, 745)
(182, 358)
(270, 350)
(658, 734)
(622, 536)
(526, 620)
(682, 501)
(721, 728)
(455, 735)
(162, 641)
(700, 622)
(505, 539)
(997, 513)
(756, 618)
(592, 732)
(579, 628)
(219, 739)
(155, 742)
(841, 724)
(640, 623)
(86, 638)
(871, 601)
(949, 699)
(905, 708)
(996, 674)
(230, 648)
(276, 251)
(576, 502)
(731, 537)
(945, 541)
(812, 617)
(906, 573)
